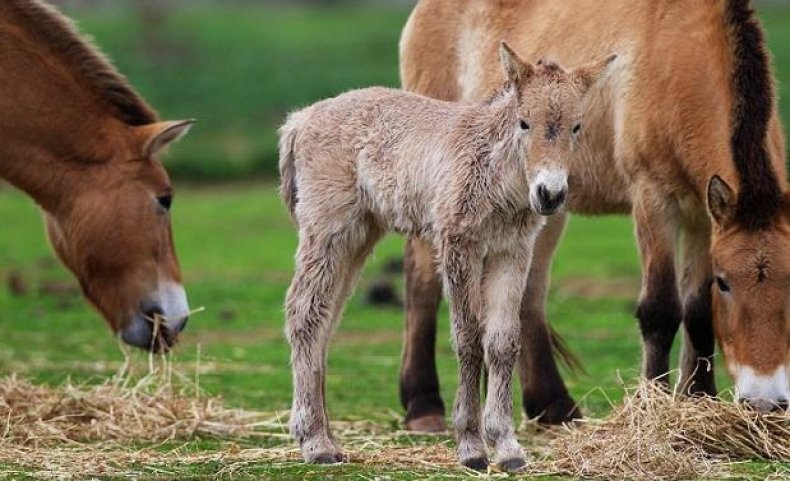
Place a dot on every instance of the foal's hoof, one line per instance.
(513, 464)
(432, 423)
(478, 464)
(327, 458)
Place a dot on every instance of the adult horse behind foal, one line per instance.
(684, 134)
(80, 141)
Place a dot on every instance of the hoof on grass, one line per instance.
(513, 464)
(478, 464)
(432, 423)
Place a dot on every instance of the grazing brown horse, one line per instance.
(81, 142)
(684, 134)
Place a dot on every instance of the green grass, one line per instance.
(236, 247)
(240, 69)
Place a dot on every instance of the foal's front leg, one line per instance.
(505, 277)
(462, 269)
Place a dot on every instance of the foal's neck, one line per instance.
(502, 152)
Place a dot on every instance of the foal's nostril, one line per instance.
(543, 194)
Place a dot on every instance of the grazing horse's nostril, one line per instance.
(764, 405)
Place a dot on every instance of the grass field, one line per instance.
(236, 244)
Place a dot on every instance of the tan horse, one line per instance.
(471, 180)
(684, 134)
(79, 141)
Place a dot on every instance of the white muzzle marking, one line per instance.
(763, 391)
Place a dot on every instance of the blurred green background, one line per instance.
(239, 67)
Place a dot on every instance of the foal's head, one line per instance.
(549, 121)
(113, 232)
(751, 295)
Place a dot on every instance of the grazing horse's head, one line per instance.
(751, 293)
(113, 232)
(550, 121)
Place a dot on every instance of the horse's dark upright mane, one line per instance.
(760, 197)
(47, 25)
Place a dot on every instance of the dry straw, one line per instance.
(87, 430)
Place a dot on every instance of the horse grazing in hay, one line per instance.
(684, 134)
(470, 179)
(79, 141)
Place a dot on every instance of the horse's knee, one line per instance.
(659, 312)
(502, 348)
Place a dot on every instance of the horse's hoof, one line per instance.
(513, 464)
(327, 458)
(432, 423)
(478, 464)
(561, 411)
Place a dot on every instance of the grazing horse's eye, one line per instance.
(722, 284)
(165, 201)
(524, 125)
(577, 128)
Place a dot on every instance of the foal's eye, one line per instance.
(524, 125)
(577, 128)
(722, 284)
(165, 201)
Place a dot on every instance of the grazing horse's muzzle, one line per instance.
(156, 326)
(763, 392)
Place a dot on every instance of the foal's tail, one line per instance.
(288, 133)
(564, 354)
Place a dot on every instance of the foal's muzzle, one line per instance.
(549, 192)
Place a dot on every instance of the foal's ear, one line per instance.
(721, 201)
(156, 137)
(586, 76)
(516, 70)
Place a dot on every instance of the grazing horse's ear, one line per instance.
(516, 70)
(586, 76)
(721, 201)
(156, 137)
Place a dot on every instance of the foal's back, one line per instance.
(383, 150)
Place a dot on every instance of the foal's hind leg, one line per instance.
(323, 270)
(505, 276)
(542, 389)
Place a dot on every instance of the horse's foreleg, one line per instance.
(419, 382)
(696, 364)
(542, 390)
(462, 268)
(659, 311)
(505, 277)
(313, 304)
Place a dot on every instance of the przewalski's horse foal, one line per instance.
(684, 135)
(81, 142)
(467, 178)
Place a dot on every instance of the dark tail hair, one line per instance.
(563, 354)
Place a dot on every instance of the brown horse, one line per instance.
(685, 135)
(79, 141)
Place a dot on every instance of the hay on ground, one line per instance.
(80, 430)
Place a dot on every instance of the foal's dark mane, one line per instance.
(760, 197)
(47, 25)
